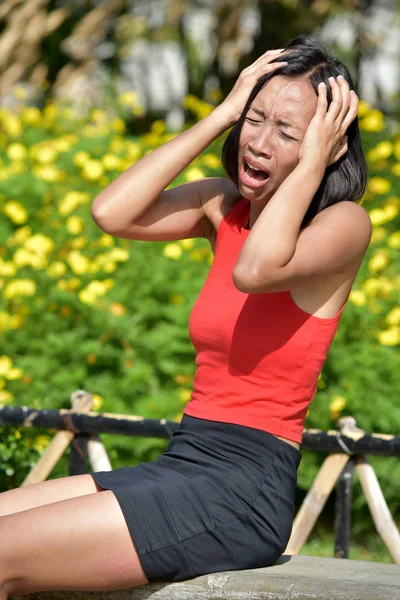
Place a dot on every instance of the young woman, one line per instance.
(288, 238)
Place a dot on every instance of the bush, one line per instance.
(81, 309)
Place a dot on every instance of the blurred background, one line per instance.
(86, 89)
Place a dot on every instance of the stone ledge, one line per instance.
(292, 577)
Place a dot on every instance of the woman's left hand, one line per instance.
(325, 140)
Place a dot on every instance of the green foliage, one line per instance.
(110, 315)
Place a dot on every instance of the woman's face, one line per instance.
(271, 136)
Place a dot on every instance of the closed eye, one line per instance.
(252, 120)
(287, 136)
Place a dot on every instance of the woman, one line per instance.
(289, 239)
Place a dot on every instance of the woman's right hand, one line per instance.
(235, 101)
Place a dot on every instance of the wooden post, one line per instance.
(315, 501)
(81, 402)
(380, 512)
(98, 455)
(344, 489)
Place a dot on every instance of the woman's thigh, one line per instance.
(46, 492)
(76, 544)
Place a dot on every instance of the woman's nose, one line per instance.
(261, 143)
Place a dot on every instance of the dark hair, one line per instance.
(347, 178)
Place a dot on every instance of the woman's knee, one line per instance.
(46, 492)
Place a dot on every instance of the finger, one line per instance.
(322, 102)
(269, 55)
(353, 110)
(265, 68)
(345, 91)
(336, 104)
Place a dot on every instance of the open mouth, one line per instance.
(252, 175)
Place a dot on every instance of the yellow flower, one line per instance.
(390, 337)
(7, 269)
(118, 125)
(41, 442)
(80, 158)
(78, 263)
(172, 251)
(394, 240)
(39, 243)
(92, 170)
(5, 365)
(30, 115)
(396, 169)
(79, 242)
(133, 151)
(378, 185)
(337, 404)
(117, 309)
(111, 162)
(6, 397)
(16, 151)
(75, 225)
(373, 121)
(321, 382)
(119, 255)
(106, 241)
(378, 234)
(90, 294)
(12, 125)
(185, 395)
(19, 236)
(358, 298)
(197, 255)
(97, 402)
(363, 108)
(50, 112)
(16, 212)
(48, 173)
(71, 201)
(98, 116)
(57, 269)
(176, 299)
(13, 374)
(193, 174)
(158, 127)
(129, 98)
(19, 288)
(372, 286)
(44, 154)
(393, 316)
(212, 161)
(377, 216)
(187, 243)
(379, 261)
(381, 151)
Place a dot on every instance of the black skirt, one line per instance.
(220, 498)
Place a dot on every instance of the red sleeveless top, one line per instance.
(258, 356)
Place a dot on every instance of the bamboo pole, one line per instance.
(315, 501)
(81, 402)
(385, 525)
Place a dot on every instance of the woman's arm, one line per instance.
(275, 255)
(132, 199)
(129, 197)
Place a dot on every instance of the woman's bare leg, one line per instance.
(46, 492)
(76, 544)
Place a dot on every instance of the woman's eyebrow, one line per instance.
(260, 112)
